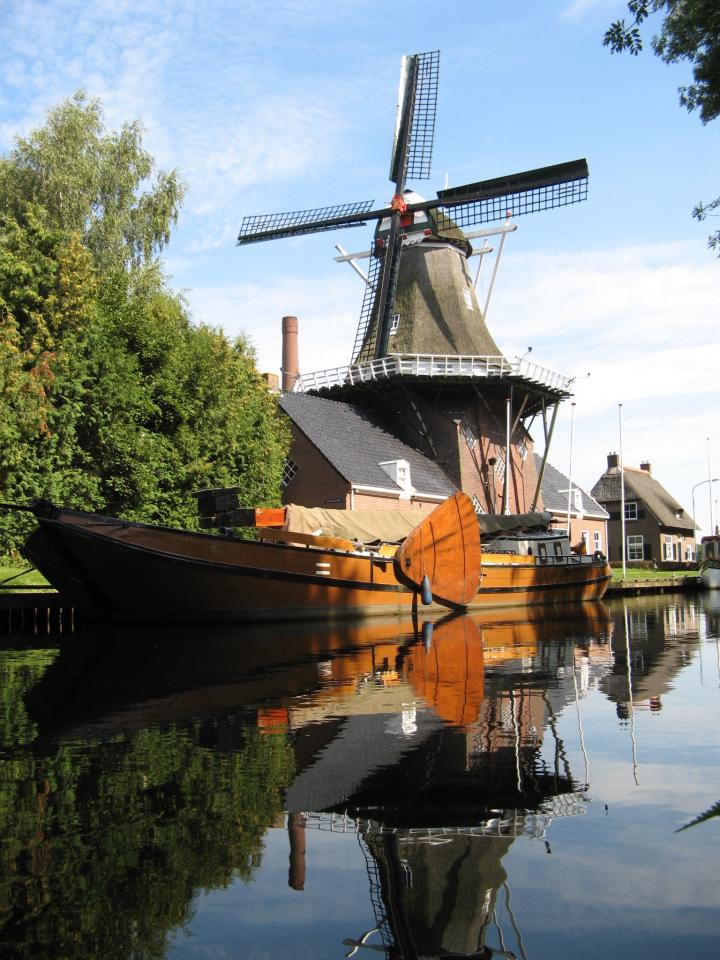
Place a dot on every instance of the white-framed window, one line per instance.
(667, 548)
(289, 471)
(399, 473)
(394, 323)
(635, 547)
(468, 298)
(476, 503)
(586, 538)
(577, 497)
(470, 438)
(500, 468)
(522, 450)
(631, 510)
(597, 540)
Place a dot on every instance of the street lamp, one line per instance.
(709, 480)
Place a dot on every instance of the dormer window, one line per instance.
(399, 473)
(578, 500)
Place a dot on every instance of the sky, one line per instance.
(272, 105)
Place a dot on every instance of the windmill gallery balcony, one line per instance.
(428, 367)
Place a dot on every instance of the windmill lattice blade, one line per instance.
(415, 122)
(273, 226)
(365, 326)
(422, 134)
(520, 193)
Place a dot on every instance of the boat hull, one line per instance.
(122, 571)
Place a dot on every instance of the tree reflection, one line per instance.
(107, 842)
(140, 771)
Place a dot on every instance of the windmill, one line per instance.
(422, 353)
(411, 224)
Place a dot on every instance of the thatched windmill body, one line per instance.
(422, 353)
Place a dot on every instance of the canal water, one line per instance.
(533, 784)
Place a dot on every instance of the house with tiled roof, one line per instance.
(657, 527)
(588, 518)
(344, 457)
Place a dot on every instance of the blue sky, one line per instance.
(266, 106)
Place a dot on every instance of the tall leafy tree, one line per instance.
(110, 397)
(690, 30)
(94, 182)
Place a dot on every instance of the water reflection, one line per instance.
(137, 769)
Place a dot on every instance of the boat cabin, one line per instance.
(711, 547)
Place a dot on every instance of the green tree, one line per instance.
(111, 398)
(94, 183)
(690, 31)
(108, 840)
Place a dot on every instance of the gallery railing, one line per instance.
(430, 366)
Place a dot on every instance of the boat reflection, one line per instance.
(433, 758)
(435, 743)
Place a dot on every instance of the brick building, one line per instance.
(342, 457)
(588, 519)
(656, 526)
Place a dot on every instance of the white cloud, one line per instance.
(327, 311)
(580, 8)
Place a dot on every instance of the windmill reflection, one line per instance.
(436, 746)
(433, 759)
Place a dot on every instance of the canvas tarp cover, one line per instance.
(507, 523)
(363, 526)
(392, 526)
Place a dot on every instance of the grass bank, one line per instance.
(8, 570)
(633, 574)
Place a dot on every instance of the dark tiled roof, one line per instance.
(355, 442)
(641, 485)
(555, 487)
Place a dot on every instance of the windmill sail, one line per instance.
(419, 297)
(367, 330)
(529, 192)
(274, 226)
(417, 105)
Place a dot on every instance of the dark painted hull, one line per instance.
(122, 571)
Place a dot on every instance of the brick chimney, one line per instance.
(647, 467)
(290, 363)
(613, 461)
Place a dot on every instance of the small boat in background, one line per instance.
(710, 566)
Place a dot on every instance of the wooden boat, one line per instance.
(132, 571)
(120, 570)
(710, 566)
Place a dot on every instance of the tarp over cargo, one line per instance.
(363, 526)
(392, 526)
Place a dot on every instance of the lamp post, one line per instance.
(712, 525)
(572, 426)
(711, 481)
(622, 493)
